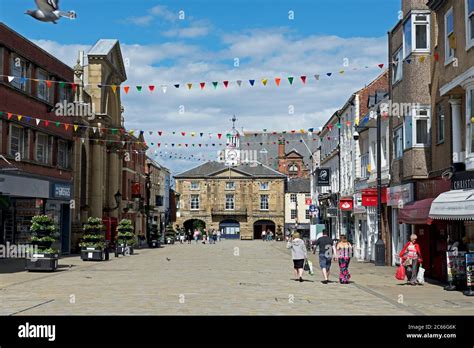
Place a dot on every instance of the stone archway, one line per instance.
(263, 225)
(192, 224)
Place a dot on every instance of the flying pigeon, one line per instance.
(48, 11)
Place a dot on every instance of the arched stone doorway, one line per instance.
(263, 225)
(230, 229)
(192, 224)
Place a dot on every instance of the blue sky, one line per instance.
(162, 49)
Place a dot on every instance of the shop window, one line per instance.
(307, 214)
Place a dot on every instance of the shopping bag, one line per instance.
(306, 266)
(310, 265)
(420, 277)
(400, 274)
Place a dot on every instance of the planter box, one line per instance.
(121, 250)
(42, 262)
(92, 254)
(155, 244)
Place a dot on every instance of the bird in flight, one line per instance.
(48, 11)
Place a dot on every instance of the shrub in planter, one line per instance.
(93, 245)
(126, 237)
(43, 234)
(170, 235)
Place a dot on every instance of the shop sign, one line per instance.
(22, 186)
(462, 180)
(308, 201)
(399, 195)
(369, 197)
(323, 176)
(346, 204)
(136, 189)
(431, 188)
(62, 191)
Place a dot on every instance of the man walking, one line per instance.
(264, 235)
(326, 252)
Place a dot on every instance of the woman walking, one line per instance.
(298, 254)
(411, 259)
(344, 252)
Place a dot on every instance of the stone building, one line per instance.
(160, 181)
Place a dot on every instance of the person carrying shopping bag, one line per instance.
(411, 259)
(298, 254)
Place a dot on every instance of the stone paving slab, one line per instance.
(228, 278)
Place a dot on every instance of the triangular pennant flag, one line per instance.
(94, 129)
(73, 86)
(381, 66)
(139, 88)
(114, 88)
(176, 86)
(126, 89)
(160, 132)
(329, 74)
(37, 121)
(277, 81)
(150, 132)
(341, 72)
(202, 84)
(201, 134)
(82, 140)
(436, 56)
(408, 61)
(251, 82)
(316, 77)
(193, 134)
(9, 115)
(46, 123)
(290, 80)
(151, 88)
(219, 135)
(215, 84)
(123, 143)
(76, 127)
(226, 83)
(239, 82)
(164, 88)
(264, 81)
(159, 144)
(28, 118)
(57, 123)
(190, 85)
(10, 78)
(303, 79)
(66, 126)
(61, 84)
(48, 83)
(183, 133)
(422, 59)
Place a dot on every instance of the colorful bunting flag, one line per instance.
(151, 88)
(264, 82)
(303, 79)
(226, 83)
(277, 81)
(290, 80)
(126, 89)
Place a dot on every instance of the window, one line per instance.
(43, 148)
(449, 38)
(421, 123)
(416, 33)
(264, 185)
(293, 170)
(63, 154)
(229, 202)
(20, 69)
(307, 214)
(364, 166)
(293, 214)
(64, 93)
(230, 185)
(397, 67)
(264, 202)
(440, 116)
(469, 23)
(470, 115)
(18, 142)
(159, 201)
(194, 202)
(293, 197)
(398, 142)
(194, 185)
(43, 90)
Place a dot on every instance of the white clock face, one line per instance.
(232, 155)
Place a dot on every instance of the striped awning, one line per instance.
(453, 205)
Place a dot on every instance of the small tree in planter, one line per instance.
(126, 238)
(43, 235)
(170, 235)
(154, 237)
(93, 246)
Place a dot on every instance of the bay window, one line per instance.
(416, 33)
(398, 142)
(421, 127)
(397, 67)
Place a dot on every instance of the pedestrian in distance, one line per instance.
(189, 236)
(326, 251)
(344, 253)
(270, 235)
(181, 237)
(196, 235)
(218, 235)
(264, 235)
(214, 236)
(298, 254)
(411, 259)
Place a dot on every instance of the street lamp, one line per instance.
(379, 245)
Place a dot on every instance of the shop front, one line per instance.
(397, 197)
(346, 207)
(360, 242)
(369, 201)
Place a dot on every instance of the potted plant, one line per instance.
(43, 235)
(126, 238)
(93, 246)
(154, 237)
(279, 234)
(170, 235)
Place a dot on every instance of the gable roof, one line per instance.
(211, 168)
(105, 48)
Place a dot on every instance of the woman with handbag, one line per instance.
(411, 259)
(298, 254)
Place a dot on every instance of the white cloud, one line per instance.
(141, 20)
(263, 54)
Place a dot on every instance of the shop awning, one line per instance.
(453, 205)
(416, 213)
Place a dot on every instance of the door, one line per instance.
(65, 224)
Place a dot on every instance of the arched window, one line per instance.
(293, 170)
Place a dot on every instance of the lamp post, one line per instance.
(379, 245)
(147, 209)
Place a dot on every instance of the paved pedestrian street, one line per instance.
(230, 277)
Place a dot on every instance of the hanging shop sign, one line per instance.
(346, 204)
(136, 190)
(308, 201)
(323, 176)
(462, 180)
(369, 197)
(398, 196)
